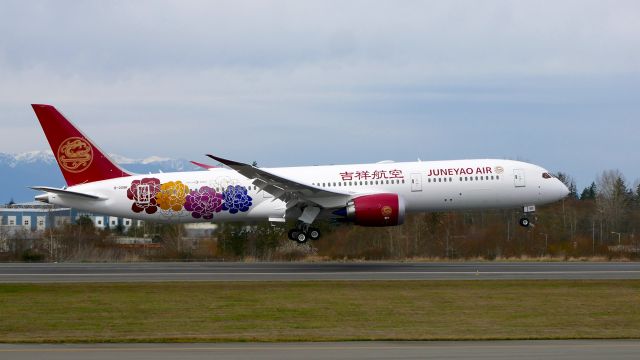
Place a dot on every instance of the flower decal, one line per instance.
(148, 194)
(204, 202)
(143, 193)
(172, 196)
(236, 199)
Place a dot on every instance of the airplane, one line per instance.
(376, 194)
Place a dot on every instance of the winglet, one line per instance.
(204, 166)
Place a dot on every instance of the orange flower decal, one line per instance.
(172, 195)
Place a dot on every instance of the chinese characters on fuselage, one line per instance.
(371, 175)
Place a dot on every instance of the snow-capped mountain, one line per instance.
(18, 171)
(125, 160)
(13, 160)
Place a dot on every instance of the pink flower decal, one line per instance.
(143, 193)
(204, 202)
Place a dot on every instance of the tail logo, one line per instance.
(75, 154)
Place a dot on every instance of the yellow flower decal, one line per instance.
(172, 195)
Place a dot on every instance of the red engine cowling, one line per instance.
(376, 210)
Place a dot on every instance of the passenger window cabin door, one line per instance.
(518, 178)
(416, 182)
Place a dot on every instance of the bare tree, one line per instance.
(612, 198)
(4, 239)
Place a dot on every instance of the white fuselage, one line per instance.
(425, 186)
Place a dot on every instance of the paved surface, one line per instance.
(219, 271)
(522, 350)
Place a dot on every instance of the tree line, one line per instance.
(599, 221)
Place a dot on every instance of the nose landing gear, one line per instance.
(528, 211)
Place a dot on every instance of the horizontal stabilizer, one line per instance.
(68, 193)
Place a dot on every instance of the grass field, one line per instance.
(319, 311)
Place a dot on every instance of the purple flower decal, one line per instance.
(143, 193)
(236, 199)
(204, 202)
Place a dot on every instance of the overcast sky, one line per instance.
(556, 83)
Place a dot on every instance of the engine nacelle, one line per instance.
(376, 210)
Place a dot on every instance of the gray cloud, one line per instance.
(328, 82)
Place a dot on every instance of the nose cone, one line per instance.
(562, 189)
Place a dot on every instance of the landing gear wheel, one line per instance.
(524, 222)
(314, 234)
(293, 234)
(302, 237)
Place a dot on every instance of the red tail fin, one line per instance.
(80, 160)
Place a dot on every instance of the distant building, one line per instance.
(31, 219)
(38, 216)
(34, 217)
(199, 230)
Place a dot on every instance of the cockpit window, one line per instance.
(547, 176)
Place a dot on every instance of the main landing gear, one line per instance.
(303, 233)
(528, 211)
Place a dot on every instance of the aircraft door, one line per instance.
(518, 178)
(416, 182)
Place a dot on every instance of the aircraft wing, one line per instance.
(288, 190)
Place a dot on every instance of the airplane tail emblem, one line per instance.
(75, 155)
(80, 160)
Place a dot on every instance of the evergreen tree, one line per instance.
(620, 192)
(589, 193)
(569, 183)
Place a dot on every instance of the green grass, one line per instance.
(319, 311)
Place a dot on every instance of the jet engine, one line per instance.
(375, 210)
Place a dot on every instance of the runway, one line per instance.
(224, 271)
(579, 349)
